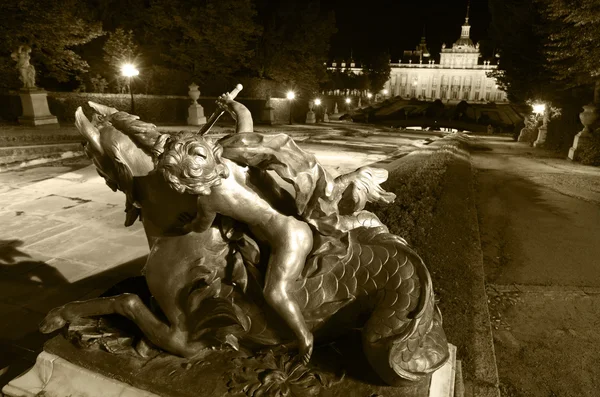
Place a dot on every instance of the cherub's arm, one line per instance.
(203, 220)
(239, 112)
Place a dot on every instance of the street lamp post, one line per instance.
(290, 96)
(128, 70)
(540, 110)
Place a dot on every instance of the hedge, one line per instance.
(159, 109)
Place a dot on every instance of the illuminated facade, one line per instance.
(458, 76)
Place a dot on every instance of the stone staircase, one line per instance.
(22, 146)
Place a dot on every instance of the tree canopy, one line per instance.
(174, 42)
(295, 43)
(378, 70)
(516, 30)
(572, 52)
(53, 29)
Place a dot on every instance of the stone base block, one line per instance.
(268, 116)
(35, 121)
(35, 108)
(310, 117)
(581, 140)
(541, 138)
(196, 115)
(64, 370)
(52, 376)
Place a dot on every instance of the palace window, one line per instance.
(499, 96)
(433, 92)
(466, 95)
(423, 93)
(487, 96)
(476, 96)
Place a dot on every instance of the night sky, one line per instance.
(397, 25)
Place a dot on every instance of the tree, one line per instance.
(378, 70)
(573, 51)
(295, 43)
(205, 39)
(120, 49)
(53, 29)
(516, 30)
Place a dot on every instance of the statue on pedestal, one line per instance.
(26, 70)
(237, 262)
(311, 117)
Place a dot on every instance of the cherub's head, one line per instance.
(191, 163)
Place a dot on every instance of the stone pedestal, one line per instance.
(56, 377)
(588, 117)
(267, 115)
(196, 115)
(195, 111)
(325, 117)
(581, 140)
(35, 108)
(541, 138)
(64, 370)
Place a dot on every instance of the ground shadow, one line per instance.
(26, 271)
(19, 354)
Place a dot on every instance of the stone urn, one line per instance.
(195, 110)
(588, 117)
(194, 93)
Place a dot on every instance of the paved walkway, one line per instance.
(62, 236)
(540, 231)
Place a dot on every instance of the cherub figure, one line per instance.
(26, 70)
(192, 165)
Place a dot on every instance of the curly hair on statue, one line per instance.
(190, 163)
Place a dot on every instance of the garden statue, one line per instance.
(26, 70)
(238, 262)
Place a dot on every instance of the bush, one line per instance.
(418, 185)
(590, 154)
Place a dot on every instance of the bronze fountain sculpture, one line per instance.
(238, 261)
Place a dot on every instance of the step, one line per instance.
(15, 155)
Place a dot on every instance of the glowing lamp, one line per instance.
(317, 102)
(291, 95)
(129, 70)
(348, 100)
(539, 108)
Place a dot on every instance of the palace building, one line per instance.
(459, 75)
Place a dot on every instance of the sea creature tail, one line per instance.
(404, 339)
